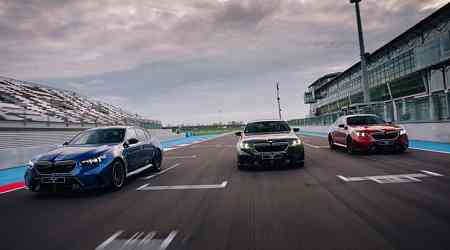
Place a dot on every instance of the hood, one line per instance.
(378, 127)
(74, 153)
(265, 137)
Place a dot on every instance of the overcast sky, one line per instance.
(190, 61)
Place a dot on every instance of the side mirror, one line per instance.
(65, 143)
(296, 130)
(238, 133)
(132, 141)
(341, 125)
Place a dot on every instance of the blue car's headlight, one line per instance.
(93, 161)
(30, 164)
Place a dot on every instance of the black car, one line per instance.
(269, 142)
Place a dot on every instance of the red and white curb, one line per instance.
(11, 187)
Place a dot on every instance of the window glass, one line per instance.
(140, 135)
(131, 133)
(147, 135)
(99, 136)
(364, 120)
(267, 127)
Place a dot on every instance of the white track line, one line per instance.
(396, 178)
(430, 173)
(167, 241)
(429, 150)
(181, 187)
(181, 157)
(109, 240)
(147, 238)
(162, 172)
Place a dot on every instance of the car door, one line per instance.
(150, 147)
(132, 151)
(145, 156)
(340, 132)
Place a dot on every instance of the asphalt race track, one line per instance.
(202, 201)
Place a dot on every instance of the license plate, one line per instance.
(385, 142)
(271, 156)
(53, 179)
(268, 156)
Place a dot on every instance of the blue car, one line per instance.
(95, 158)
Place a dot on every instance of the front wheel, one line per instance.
(350, 146)
(331, 142)
(239, 165)
(298, 164)
(157, 161)
(117, 175)
(401, 149)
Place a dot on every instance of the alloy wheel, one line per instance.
(118, 175)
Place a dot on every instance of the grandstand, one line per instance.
(30, 102)
(408, 79)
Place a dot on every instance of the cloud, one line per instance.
(203, 53)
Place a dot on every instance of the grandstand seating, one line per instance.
(21, 100)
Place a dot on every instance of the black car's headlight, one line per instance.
(244, 145)
(402, 131)
(93, 161)
(295, 142)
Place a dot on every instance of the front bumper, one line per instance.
(292, 155)
(368, 143)
(79, 179)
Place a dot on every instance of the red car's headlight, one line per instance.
(361, 133)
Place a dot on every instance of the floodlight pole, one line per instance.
(364, 77)
(278, 100)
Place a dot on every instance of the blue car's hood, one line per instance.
(74, 153)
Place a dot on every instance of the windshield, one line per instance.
(99, 136)
(364, 120)
(267, 127)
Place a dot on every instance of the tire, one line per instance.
(331, 142)
(157, 161)
(401, 150)
(298, 164)
(350, 147)
(239, 165)
(118, 175)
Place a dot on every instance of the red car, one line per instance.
(366, 133)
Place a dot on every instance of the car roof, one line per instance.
(347, 116)
(266, 120)
(113, 127)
